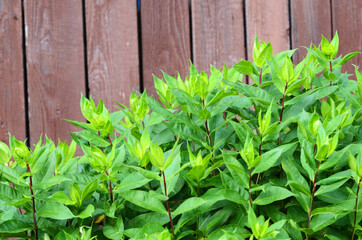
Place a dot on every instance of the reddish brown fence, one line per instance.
(53, 50)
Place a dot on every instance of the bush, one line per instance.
(279, 159)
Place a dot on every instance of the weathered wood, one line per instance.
(309, 20)
(55, 62)
(112, 46)
(165, 39)
(347, 20)
(217, 33)
(270, 21)
(12, 110)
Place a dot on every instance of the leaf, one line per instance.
(188, 205)
(131, 181)
(14, 226)
(144, 200)
(62, 198)
(145, 173)
(114, 231)
(54, 210)
(89, 190)
(272, 194)
(83, 125)
(330, 188)
(347, 57)
(50, 182)
(86, 213)
(244, 67)
(252, 92)
(9, 194)
(236, 169)
(93, 138)
(269, 158)
(322, 220)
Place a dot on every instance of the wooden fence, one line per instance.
(53, 50)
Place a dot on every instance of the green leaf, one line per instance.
(322, 220)
(62, 198)
(9, 194)
(329, 188)
(83, 125)
(269, 158)
(14, 226)
(236, 169)
(115, 231)
(131, 181)
(50, 182)
(87, 212)
(145, 173)
(272, 194)
(5, 153)
(54, 210)
(144, 200)
(89, 190)
(93, 138)
(75, 194)
(244, 67)
(188, 205)
(347, 57)
(252, 92)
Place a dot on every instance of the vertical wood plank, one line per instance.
(165, 39)
(347, 20)
(270, 21)
(55, 62)
(112, 46)
(217, 33)
(12, 110)
(310, 19)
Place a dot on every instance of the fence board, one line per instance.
(165, 39)
(217, 33)
(112, 47)
(270, 21)
(12, 110)
(309, 20)
(55, 60)
(347, 20)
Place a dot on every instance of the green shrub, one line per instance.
(218, 159)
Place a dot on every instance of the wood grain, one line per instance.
(55, 61)
(165, 39)
(218, 33)
(269, 20)
(347, 20)
(310, 19)
(112, 47)
(12, 110)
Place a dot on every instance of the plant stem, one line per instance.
(260, 75)
(250, 200)
(281, 112)
(33, 200)
(110, 189)
(168, 207)
(331, 69)
(261, 140)
(313, 191)
(355, 210)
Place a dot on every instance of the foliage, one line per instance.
(212, 159)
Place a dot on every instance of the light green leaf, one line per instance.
(86, 213)
(188, 205)
(144, 199)
(272, 194)
(269, 158)
(54, 210)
